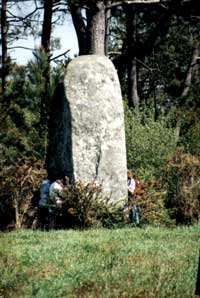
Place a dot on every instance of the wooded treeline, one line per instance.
(154, 46)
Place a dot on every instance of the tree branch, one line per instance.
(63, 54)
(190, 71)
(27, 16)
(118, 3)
(20, 47)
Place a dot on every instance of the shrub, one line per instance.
(84, 206)
(190, 139)
(183, 187)
(18, 182)
(152, 203)
(149, 144)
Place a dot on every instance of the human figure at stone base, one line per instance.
(51, 200)
(132, 203)
(56, 189)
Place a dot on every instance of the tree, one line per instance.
(47, 26)
(13, 27)
(45, 46)
(91, 22)
(91, 28)
(190, 72)
(4, 56)
(131, 26)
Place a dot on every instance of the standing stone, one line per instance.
(86, 135)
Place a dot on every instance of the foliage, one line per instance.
(152, 204)
(149, 143)
(84, 206)
(183, 187)
(18, 182)
(190, 131)
(19, 136)
(100, 263)
(170, 60)
(21, 110)
(19, 115)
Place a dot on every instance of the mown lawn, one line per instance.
(128, 262)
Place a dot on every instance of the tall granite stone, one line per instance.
(86, 135)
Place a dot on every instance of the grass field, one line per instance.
(128, 262)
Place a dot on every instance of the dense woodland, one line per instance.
(155, 47)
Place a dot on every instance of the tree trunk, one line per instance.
(133, 98)
(17, 215)
(96, 26)
(90, 32)
(46, 28)
(4, 29)
(80, 27)
(190, 72)
(45, 45)
(186, 86)
(107, 25)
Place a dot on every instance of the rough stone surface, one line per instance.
(87, 137)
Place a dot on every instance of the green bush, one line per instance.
(190, 132)
(18, 182)
(183, 188)
(84, 206)
(152, 200)
(149, 143)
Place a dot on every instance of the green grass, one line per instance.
(128, 262)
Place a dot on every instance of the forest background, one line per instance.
(154, 46)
